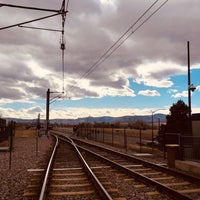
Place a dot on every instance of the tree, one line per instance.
(140, 124)
(177, 120)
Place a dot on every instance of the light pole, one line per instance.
(191, 87)
(48, 102)
(152, 132)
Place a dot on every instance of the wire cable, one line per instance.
(109, 49)
(26, 22)
(120, 41)
(64, 8)
(27, 7)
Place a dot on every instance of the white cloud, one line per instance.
(74, 113)
(30, 113)
(198, 88)
(117, 85)
(109, 2)
(157, 74)
(31, 59)
(180, 94)
(170, 91)
(151, 93)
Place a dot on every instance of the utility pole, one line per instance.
(38, 132)
(191, 87)
(189, 92)
(47, 111)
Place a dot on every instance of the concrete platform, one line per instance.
(188, 166)
(142, 154)
(4, 148)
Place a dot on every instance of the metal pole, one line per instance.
(38, 130)
(112, 136)
(189, 94)
(103, 133)
(47, 111)
(125, 139)
(140, 140)
(189, 90)
(152, 134)
(10, 129)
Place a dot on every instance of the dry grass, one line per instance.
(145, 134)
(25, 132)
(19, 133)
(132, 134)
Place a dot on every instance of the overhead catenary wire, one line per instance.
(30, 21)
(108, 52)
(124, 39)
(64, 8)
(43, 29)
(28, 7)
(121, 40)
(62, 12)
(118, 40)
(62, 45)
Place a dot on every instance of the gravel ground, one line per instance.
(13, 181)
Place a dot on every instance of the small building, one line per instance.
(196, 124)
(2, 128)
(2, 125)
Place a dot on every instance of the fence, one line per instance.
(189, 145)
(3, 136)
(139, 140)
(8, 133)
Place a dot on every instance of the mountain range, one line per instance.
(106, 119)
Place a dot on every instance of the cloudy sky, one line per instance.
(146, 73)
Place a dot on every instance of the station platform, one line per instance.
(188, 166)
(4, 148)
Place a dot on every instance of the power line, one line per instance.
(28, 7)
(62, 12)
(121, 40)
(124, 39)
(26, 22)
(109, 49)
(43, 29)
(64, 7)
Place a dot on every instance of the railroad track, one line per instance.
(67, 176)
(106, 174)
(174, 184)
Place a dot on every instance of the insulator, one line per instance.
(62, 46)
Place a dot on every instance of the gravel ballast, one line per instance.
(14, 180)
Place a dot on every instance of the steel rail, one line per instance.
(161, 187)
(145, 163)
(45, 182)
(102, 191)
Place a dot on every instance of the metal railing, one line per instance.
(189, 146)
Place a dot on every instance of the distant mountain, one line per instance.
(106, 119)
